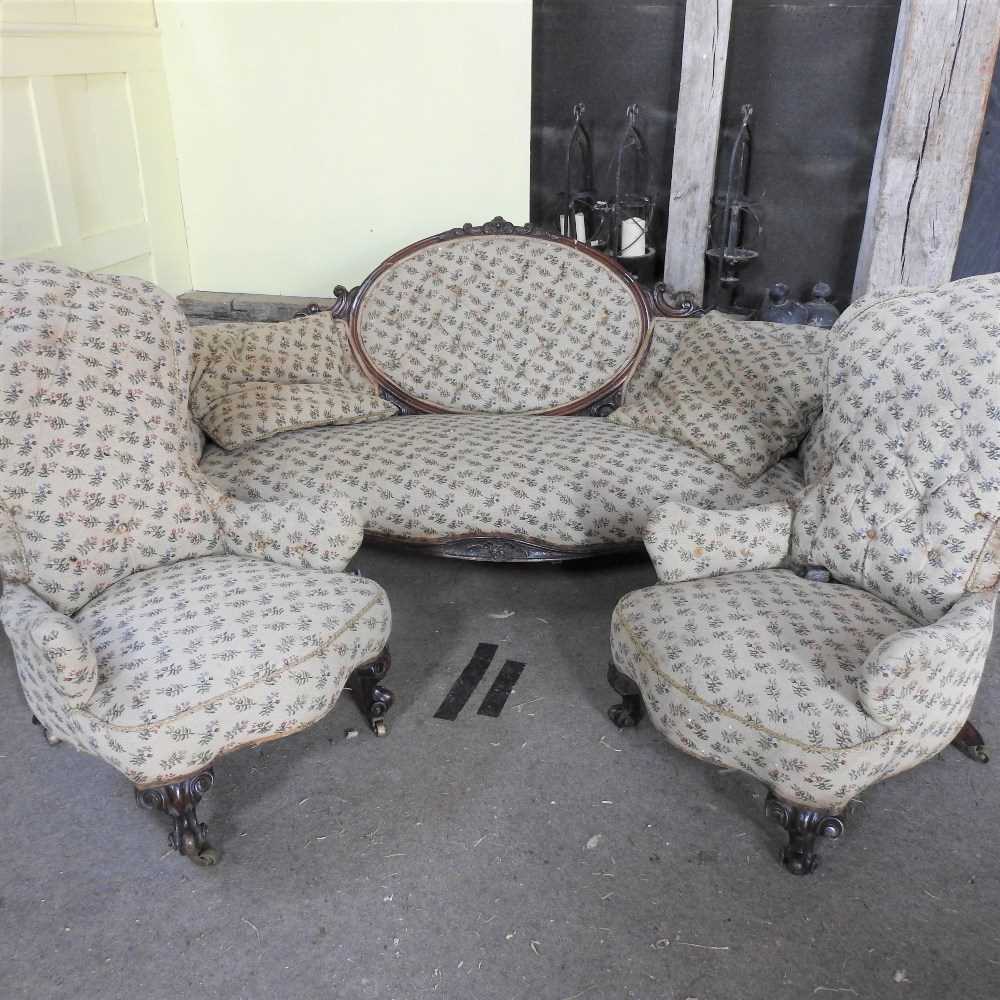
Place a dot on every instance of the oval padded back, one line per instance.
(499, 324)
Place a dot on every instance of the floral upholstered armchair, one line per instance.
(157, 623)
(826, 643)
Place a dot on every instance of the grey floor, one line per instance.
(540, 855)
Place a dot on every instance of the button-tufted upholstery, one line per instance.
(147, 629)
(821, 689)
(499, 324)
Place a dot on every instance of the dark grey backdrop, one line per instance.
(979, 248)
(815, 71)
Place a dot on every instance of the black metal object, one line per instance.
(729, 254)
(373, 699)
(630, 711)
(576, 200)
(619, 223)
(804, 825)
(970, 742)
(179, 799)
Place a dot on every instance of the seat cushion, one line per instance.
(760, 671)
(499, 323)
(771, 649)
(568, 482)
(203, 656)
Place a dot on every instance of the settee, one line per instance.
(496, 393)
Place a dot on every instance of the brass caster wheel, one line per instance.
(379, 727)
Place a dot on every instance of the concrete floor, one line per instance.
(541, 855)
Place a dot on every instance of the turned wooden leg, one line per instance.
(970, 742)
(804, 825)
(630, 710)
(373, 699)
(178, 800)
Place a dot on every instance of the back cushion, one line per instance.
(499, 324)
(97, 456)
(907, 499)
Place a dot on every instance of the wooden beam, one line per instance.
(942, 65)
(696, 141)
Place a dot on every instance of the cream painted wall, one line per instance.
(314, 138)
(88, 170)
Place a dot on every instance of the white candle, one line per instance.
(633, 237)
(581, 227)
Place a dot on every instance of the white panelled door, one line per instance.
(89, 170)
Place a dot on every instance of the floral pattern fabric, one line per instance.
(323, 535)
(905, 496)
(689, 543)
(665, 337)
(200, 657)
(741, 393)
(254, 380)
(98, 475)
(136, 638)
(500, 324)
(819, 690)
(562, 481)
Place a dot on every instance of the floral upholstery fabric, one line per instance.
(323, 535)
(200, 657)
(665, 337)
(689, 543)
(120, 603)
(254, 380)
(741, 393)
(821, 689)
(562, 481)
(98, 475)
(500, 324)
(906, 503)
(778, 676)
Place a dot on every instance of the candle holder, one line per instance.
(729, 255)
(619, 224)
(576, 201)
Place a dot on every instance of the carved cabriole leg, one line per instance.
(373, 699)
(970, 742)
(178, 800)
(631, 710)
(804, 825)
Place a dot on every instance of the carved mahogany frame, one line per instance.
(501, 547)
(599, 402)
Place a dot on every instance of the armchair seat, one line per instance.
(203, 656)
(760, 671)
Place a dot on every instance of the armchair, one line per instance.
(829, 642)
(157, 623)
